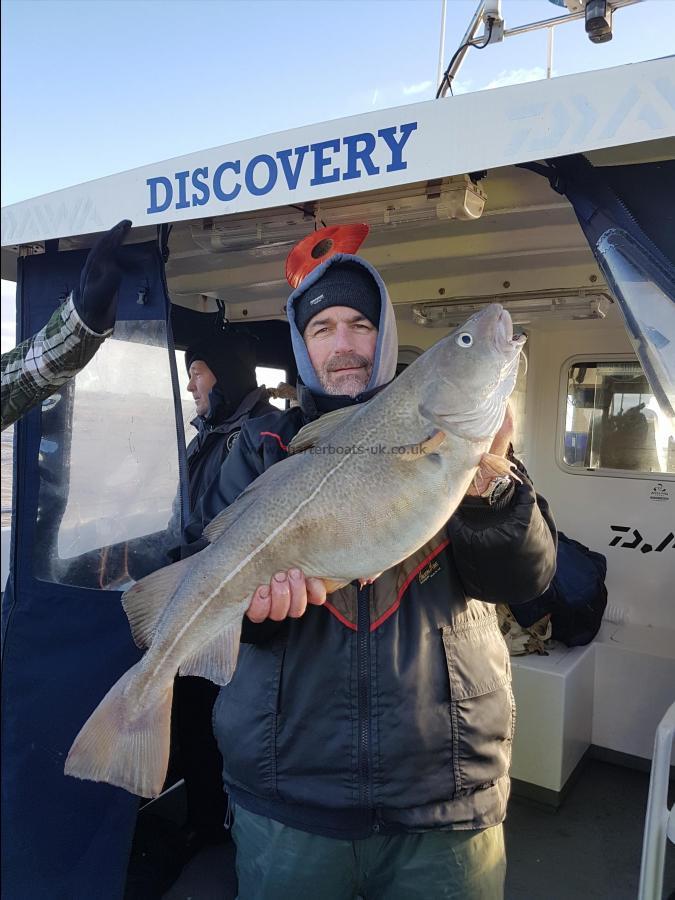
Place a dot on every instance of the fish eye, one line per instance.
(464, 339)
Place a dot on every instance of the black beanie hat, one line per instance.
(342, 284)
(231, 357)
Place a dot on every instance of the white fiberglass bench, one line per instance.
(607, 697)
(554, 719)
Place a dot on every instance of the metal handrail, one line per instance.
(477, 17)
(469, 35)
(560, 20)
(441, 48)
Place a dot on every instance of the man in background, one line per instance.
(222, 381)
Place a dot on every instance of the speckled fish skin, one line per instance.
(358, 502)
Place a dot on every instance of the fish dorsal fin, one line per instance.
(219, 525)
(232, 513)
(216, 660)
(145, 602)
(411, 452)
(314, 432)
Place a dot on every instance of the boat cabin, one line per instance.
(488, 197)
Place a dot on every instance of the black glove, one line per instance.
(96, 299)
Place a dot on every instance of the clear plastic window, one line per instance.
(108, 505)
(613, 420)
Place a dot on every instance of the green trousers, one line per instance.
(275, 862)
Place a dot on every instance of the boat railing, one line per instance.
(659, 821)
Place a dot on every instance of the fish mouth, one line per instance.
(494, 325)
(505, 339)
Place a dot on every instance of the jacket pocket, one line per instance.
(482, 710)
(245, 719)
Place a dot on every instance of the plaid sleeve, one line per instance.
(36, 368)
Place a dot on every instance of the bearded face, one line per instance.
(341, 345)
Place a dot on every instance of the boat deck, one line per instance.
(588, 849)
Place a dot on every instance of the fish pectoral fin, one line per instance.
(430, 416)
(220, 524)
(122, 747)
(370, 579)
(424, 448)
(145, 602)
(217, 659)
(233, 513)
(334, 584)
(493, 464)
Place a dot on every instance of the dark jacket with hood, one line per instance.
(389, 708)
(217, 433)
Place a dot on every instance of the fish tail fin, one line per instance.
(130, 751)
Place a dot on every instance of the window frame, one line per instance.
(562, 415)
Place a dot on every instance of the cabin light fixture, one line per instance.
(405, 214)
(260, 236)
(461, 198)
(267, 234)
(524, 308)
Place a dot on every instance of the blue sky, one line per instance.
(92, 87)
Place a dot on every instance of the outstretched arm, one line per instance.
(38, 366)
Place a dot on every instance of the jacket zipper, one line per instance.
(363, 668)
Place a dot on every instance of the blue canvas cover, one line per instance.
(63, 647)
(629, 222)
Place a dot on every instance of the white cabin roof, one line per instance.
(384, 149)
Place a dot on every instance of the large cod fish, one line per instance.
(377, 482)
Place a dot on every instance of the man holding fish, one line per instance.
(366, 736)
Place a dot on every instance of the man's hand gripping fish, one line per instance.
(419, 442)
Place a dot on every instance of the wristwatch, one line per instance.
(497, 489)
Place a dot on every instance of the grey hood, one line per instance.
(386, 350)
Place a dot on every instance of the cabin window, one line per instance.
(613, 421)
(108, 496)
(272, 378)
(406, 355)
(187, 402)
(517, 402)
